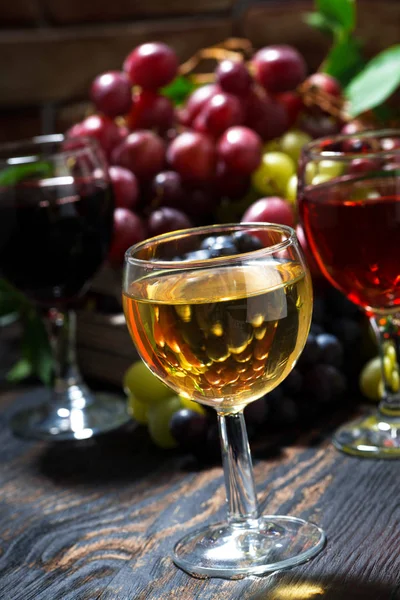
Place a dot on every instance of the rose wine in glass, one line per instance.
(350, 211)
(225, 331)
(56, 215)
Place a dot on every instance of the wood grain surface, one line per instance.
(97, 520)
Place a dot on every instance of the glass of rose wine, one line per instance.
(224, 331)
(56, 208)
(349, 204)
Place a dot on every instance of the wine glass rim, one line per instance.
(209, 229)
(314, 149)
(43, 140)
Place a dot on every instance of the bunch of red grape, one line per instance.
(231, 140)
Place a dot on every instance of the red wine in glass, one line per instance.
(353, 228)
(56, 217)
(54, 236)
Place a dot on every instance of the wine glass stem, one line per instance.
(61, 327)
(238, 470)
(387, 332)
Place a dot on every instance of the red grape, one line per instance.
(363, 165)
(270, 210)
(240, 149)
(100, 127)
(196, 101)
(111, 93)
(125, 186)
(279, 68)
(167, 219)
(151, 65)
(265, 116)
(293, 104)
(193, 156)
(128, 229)
(142, 152)
(167, 190)
(151, 111)
(218, 113)
(312, 264)
(229, 183)
(233, 77)
(324, 83)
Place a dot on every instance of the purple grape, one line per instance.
(331, 349)
(256, 413)
(189, 428)
(293, 383)
(324, 383)
(167, 190)
(311, 353)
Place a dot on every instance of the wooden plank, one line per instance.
(78, 11)
(23, 12)
(20, 124)
(280, 21)
(96, 520)
(80, 53)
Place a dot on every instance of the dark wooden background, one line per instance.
(97, 520)
(50, 50)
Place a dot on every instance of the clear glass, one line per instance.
(225, 331)
(349, 205)
(56, 211)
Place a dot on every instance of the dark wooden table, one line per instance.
(97, 520)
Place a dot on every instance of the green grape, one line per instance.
(390, 353)
(291, 189)
(310, 172)
(159, 416)
(272, 146)
(141, 382)
(137, 409)
(318, 179)
(371, 384)
(293, 141)
(395, 381)
(330, 168)
(191, 405)
(273, 174)
(387, 367)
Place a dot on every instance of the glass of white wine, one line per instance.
(224, 328)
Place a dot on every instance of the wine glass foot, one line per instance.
(233, 552)
(46, 422)
(374, 436)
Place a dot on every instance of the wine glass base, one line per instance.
(374, 436)
(52, 424)
(232, 552)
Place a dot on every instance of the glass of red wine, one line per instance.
(349, 205)
(56, 216)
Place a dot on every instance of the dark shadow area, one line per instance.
(288, 585)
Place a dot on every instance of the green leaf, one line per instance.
(320, 22)
(344, 60)
(340, 12)
(21, 370)
(15, 173)
(376, 82)
(36, 347)
(179, 89)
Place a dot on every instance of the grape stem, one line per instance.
(387, 332)
(238, 470)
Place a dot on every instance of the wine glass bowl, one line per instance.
(349, 204)
(224, 328)
(56, 208)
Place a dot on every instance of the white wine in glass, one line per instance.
(225, 331)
